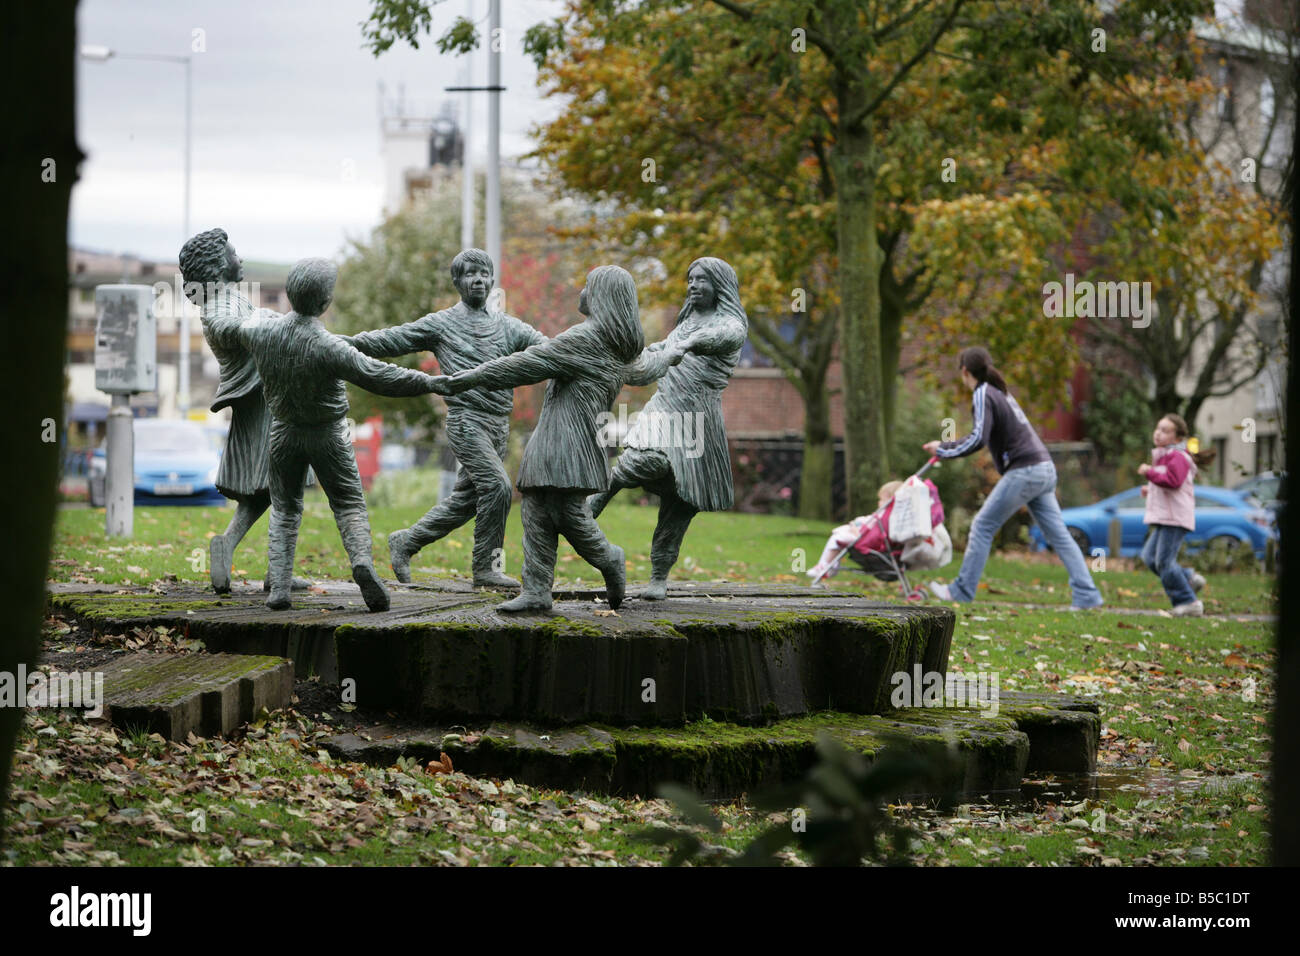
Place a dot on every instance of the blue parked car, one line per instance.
(1221, 515)
(175, 464)
(1267, 489)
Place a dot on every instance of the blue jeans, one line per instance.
(1035, 487)
(1160, 554)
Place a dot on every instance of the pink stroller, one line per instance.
(867, 542)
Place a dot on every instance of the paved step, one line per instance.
(722, 761)
(207, 695)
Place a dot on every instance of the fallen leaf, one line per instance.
(441, 765)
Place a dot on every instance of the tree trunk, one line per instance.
(38, 52)
(854, 161)
(891, 346)
(818, 468)
(1192, 408)
(1166, 399)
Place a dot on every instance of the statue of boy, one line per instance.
(688, 476)
(303, 368)
(565, 459)
(211, 271)
(478, 422)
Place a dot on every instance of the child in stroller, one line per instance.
(894, 539)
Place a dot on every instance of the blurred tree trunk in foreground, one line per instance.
(39, 167)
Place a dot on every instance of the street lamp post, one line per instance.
(492, 214)
(102, 54)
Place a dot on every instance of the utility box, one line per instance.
(126, 339)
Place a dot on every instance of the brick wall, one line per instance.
(761, 403)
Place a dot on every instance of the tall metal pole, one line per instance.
(183, 316)
(119, 476)
(467, 156)
(493, 202)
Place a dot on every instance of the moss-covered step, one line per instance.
(205, 694)
(1064, 732)
(736, 653)
(716, 760)
(747, 660)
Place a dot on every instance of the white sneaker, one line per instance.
(940, 590)
(1196, 581)
(1191, 609)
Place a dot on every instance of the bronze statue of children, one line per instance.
(565, 459)
(478, 421)
(303, 368)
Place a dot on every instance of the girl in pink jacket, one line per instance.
(1171, 513)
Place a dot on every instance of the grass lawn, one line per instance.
(1185, 707)
(726, 546)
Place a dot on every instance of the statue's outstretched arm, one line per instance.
(418, 336)
(534, 364)
(375, 376)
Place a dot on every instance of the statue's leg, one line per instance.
(288, 478)
(221, 551)
(674, 518)
(442, 519)
(581, 530)
(246, 514)
(493, 491)
(336, 470)
(540, 544)
(447, 515)
(243, 476)
(627, 474)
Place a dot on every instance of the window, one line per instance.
(1225, 105)
(1265, 453)
(1221, 460)
(1269, 327)
(1267, 102)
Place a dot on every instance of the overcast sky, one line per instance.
(286, 145)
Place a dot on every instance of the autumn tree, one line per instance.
(705, 144)
(723, 128)
(1209, 227)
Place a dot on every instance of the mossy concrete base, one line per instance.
(1065, 732)
(176, 695)
(747, 654)
(716, 760)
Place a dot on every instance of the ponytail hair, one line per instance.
(979, 363)
(1201, 457)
